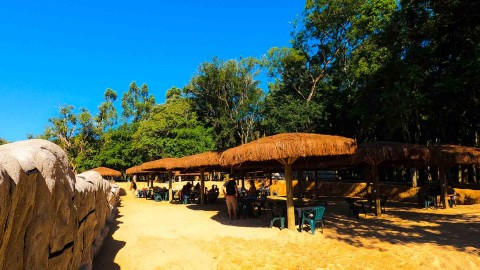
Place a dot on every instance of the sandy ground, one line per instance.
(160, 235)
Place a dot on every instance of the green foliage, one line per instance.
(172, 130)
(3, 141)
(117, 150)
(136, 103)
(107, 113)
(226, 97)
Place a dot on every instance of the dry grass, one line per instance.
(289, 145)
(104, 171)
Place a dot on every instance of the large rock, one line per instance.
(41, 216)
(50, 219)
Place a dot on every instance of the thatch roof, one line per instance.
(204, 160)
(288, 145)
(104, 171)
(135, 170)
(164, 164)
(455, 154)
(374, 153)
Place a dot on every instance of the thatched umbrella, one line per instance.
(135, 171)
(375, 154)
(165, 165)
(201, 162)
(448, 155)
(287, 149)
(104, 171)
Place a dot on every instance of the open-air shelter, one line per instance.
(162, 165)
(448, 155)
(375, 154)
(107, 172)
(199, 162)
(289, 150)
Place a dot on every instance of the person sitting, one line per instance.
(251, 197)
(451, 194)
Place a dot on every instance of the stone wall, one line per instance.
(50, 218)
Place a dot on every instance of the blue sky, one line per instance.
(69, 52)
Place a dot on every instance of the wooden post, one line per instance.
(290, 207)
(414, 173)
(202, 186)
(170, 192)
(443, 184)
(376, 191)
(242, 175)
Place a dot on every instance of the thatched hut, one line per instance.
(107, 172)
(289, 149)
(374, 154)
(162, 165)
(448, 155)
(200, 162)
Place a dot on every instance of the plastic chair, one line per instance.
(277, 214)
(430, 201)
(313, 217)
(157, 197)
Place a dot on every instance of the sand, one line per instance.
(161, 235)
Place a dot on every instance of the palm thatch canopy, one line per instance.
(104, 171)
(204, 160)
(288, 146)
(164, 164)
(388, 153)
(455, 154)
(135, 170)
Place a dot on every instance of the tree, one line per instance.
(226, 97)
(326, 57)
(3, 141)
(172, 130)
(76, 134)
(136, 103)
(117, 149)
(107, 114)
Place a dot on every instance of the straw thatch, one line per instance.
(135, 170)
(388, 153)
(104, 171)
(204, 160)
(164, 164)
(288, 145)
(455, 154)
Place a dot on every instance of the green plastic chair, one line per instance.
(277, 214)
(313, 217)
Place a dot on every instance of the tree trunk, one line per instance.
(443, 184)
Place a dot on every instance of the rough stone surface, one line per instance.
(48, 218)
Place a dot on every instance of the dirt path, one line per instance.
(159, 235)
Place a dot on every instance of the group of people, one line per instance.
(248, 197)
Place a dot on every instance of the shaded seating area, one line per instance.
(313, 217)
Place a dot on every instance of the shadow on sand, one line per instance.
(105, 257)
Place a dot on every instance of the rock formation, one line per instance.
(49, 218)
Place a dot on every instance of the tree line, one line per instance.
(406, 71)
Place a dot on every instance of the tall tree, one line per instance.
(172, 130)
(226, 96)
(117, 149)
(325, 39)
(107, 114)
(76, 134)
(136, 103)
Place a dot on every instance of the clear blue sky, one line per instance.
(69, 52)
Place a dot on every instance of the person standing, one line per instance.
(230, 191)
(133, 188)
